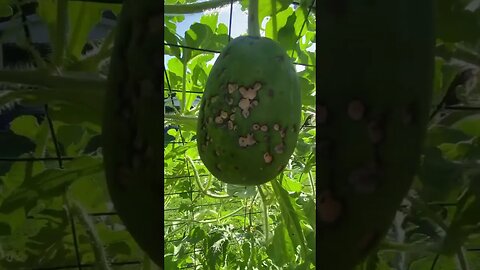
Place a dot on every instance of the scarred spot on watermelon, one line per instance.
(218, 120)
(244, 104)
(232, 87)
(330, 209)
(224, 114)
(365, 180)
(213, 99)
(257, 86)
(279, 148)
(246, 141)
(267, 157)
(356, 109)
(249, 93)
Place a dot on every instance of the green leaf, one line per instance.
(291, 216)
(5, 9)
(466, 217)
(197, 235)
(440, 177)
(83, 16)
(291, 185)
(469, 125)
(286, 34)
(91, 191)
(441, 134)
(175, 66)
(198, 36)
(26, 126)
(171, 38)
(50, 183)
(211, 20)
(281, 249)
(454, 23)
(307, 88)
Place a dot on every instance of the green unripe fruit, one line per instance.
(250, 112)
(132, 130)
(375, 76)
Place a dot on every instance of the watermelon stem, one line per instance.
(253, 25)
(184, 83)
(274, 19)
(265, 212)
(196, 7)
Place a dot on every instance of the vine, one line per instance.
(253, 25)
(265, 212)
(202, 188)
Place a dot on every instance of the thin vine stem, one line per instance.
(216, 220)
(312, 183)
(44, 79)
(462, 259)
(60, 33)
(253, 24)
(99, 252)
(274, 19)
(178, 117)
(265, 212)
(195, 7)
(184, 81)
(202, 188)
(413, 248)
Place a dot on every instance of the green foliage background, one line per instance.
(238, 228)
